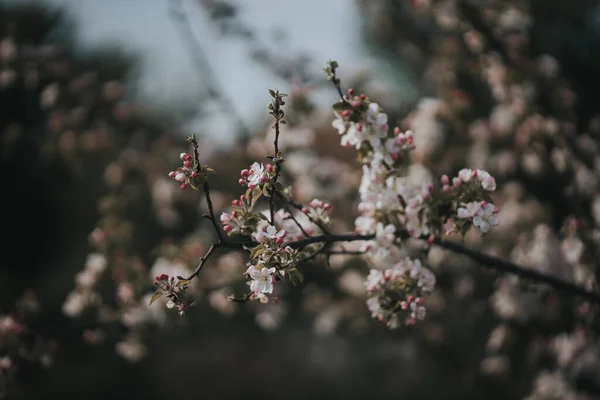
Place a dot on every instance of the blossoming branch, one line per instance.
(392, 209)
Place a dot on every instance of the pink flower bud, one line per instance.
(446, 188)
(410, 298)
(180, 177)
(279, 240)
(194, 174)
(183, 156)
(227, 228)
(236, 202)
(426, 195)
(242, 182)
(359, 127)
(263, 179)
(305, 210)
(172, 174)
(411, 321)
(483, 203)
(456, 181)
(243, 197)
(396, 131)
(474, 173)
(234, 214)
(429, 187)
(187, 164)
(444, 180)
(403, 305)
(496, 209)
(430, 239)
(351, 92)
(356, 103)
(245, 173)
(183, 186)
(269, 168)
(327, 206)
(345, 114)
(362, 96)
(420, 300)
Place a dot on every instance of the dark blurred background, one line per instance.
(89, 84)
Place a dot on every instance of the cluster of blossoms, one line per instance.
(271, 260)
(397, 196)
(191, 173)
(318, 211)
(187, 172)
(257, 175)
(396, 295)
(174, 291)
(86, 280)
(242, 219)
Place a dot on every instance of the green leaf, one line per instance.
(342, 106)
(256, 193)
(266, 190)
(183, 282)
(155, 297)
(256, 251)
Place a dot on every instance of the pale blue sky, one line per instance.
(324, 29)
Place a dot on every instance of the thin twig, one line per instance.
(300, 208)
(203, 261)
(298, 224)
(206, 187)
(275, 110)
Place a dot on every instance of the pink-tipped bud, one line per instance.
(245, 173)
(172, 174)
(194, 174)
(430, 239)
(327, 206)
(356, 103)
(474, 173)
(243, 198)
(362, 96)
(345, 114)
(456, 181)
(496, 209)
(304, 210)
(234, 214)
(403, 305)
(429, 187)
(187, 164)
(444, 179)
(269, 168)
(279, 240)
(446, 188)
(263, 179)
(419, 301)
(410, 298)
(183, 186)
(359, 127)
(483, 203)
(411, 321)
(426, 195)
(397, 131)
(227, 228)
(242, 182)
(351, 92)
(183, 156)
